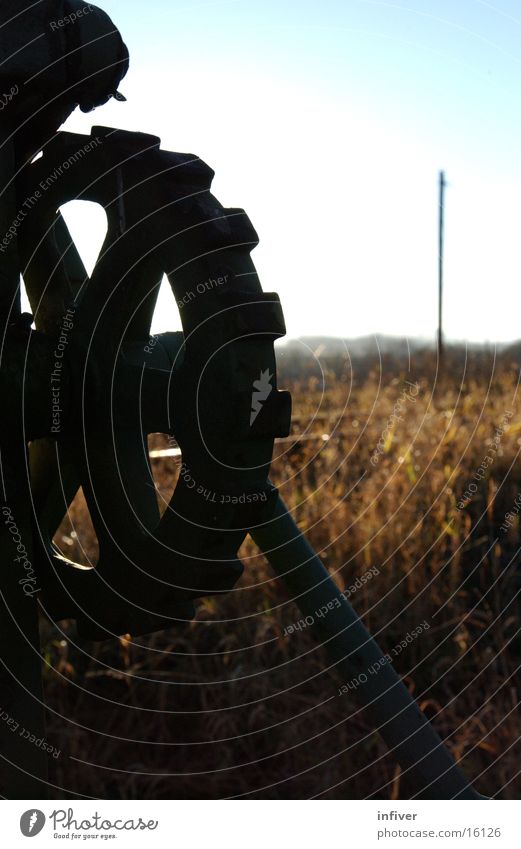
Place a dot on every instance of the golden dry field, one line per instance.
(395, 466)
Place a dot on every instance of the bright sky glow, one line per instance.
(328, 122)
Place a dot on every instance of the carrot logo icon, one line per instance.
(261, 389)
(32, 822)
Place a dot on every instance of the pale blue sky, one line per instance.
(328, 122)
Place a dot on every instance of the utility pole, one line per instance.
(441, 222)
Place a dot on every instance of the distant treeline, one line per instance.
(355, 360)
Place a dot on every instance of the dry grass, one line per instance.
(150, 718)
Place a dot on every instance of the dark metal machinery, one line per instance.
(84, 389)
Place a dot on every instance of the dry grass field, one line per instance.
(396, 465)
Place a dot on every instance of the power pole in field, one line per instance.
(441, 223)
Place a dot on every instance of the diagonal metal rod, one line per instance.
(386, 701)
